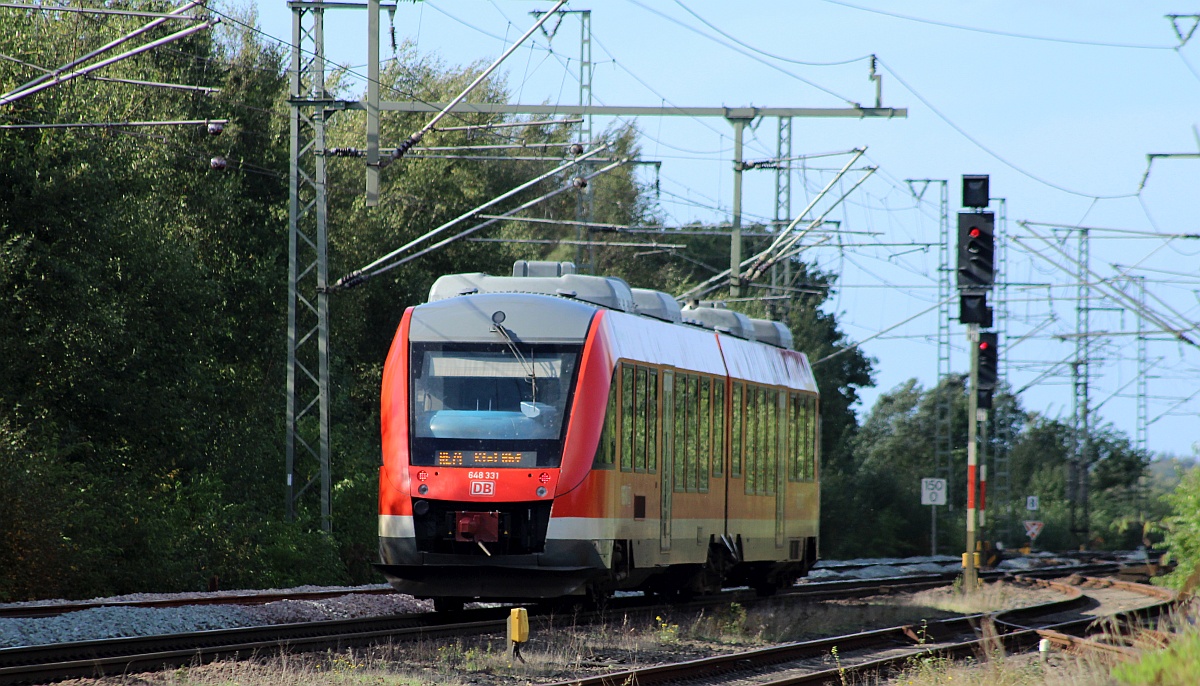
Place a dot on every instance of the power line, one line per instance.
(764, 53)
(995, 155)
(994, 32)
(746, 53)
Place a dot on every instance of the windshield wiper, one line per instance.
(528, 365)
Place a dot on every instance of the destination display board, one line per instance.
(487, 458)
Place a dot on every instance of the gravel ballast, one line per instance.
(122, 622)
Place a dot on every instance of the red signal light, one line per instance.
(422, 475)
(974, 232)
(984, 346)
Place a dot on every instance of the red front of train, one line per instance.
(477, 445)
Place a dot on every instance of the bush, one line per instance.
(1183, 531)
(1176, 665)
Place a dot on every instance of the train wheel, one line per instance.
(674, 595)
(448, 604)
(600, 595)
(765, 589)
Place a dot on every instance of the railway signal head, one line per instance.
(976, 250)
(975, 190)
(973, 309)
(983, 398)
(988, 362)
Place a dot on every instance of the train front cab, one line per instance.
(478, 396)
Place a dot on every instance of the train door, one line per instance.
(781, 463)
(666, 460)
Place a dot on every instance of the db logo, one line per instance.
(483, 488)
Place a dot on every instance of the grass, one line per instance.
(1167, 663)
(989, 598)
(999, 671)
(1171, 657)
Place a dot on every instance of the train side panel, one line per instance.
(622, 500)
(773, 504)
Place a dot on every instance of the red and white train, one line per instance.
(552, 434)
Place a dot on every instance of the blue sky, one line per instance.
(1059, 103)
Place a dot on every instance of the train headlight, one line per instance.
(423, 489)
(541, 491)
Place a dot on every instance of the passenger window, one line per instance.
(652, 420)
(771, 444)
(627, 398)
(795, 452)
(736, 432)
(705, 431)
(811, 445)
(718, 414)
(680, 437)
(752, 422)
(694, 472)
(639, 422)
(606, 452)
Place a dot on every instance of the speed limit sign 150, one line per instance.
(933, 491)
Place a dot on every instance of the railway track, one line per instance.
(44, 663)
(853, 657)
(35, 610)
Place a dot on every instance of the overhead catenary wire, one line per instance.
(745, 53)
(510, 124)
(779, 246)
(149, 26)
(556, 241)
(1106, 286)
(994, 32)
(418, 135)
(347, 280)
(117, 124)
(57, 79)
(995, 155)
(361, 276)
(101, 10)
(288, 45)
(890, 328)
(764, 53)
(157, 84)
(768, 261)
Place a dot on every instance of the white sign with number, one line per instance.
(933, 491)
(1031, 503)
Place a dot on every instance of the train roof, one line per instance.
(772, 333)
(656, 304)
(558, 279)
(720, 319)
(608, 292)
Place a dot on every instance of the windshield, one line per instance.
(490, 392)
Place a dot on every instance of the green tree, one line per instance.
(895, 448)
